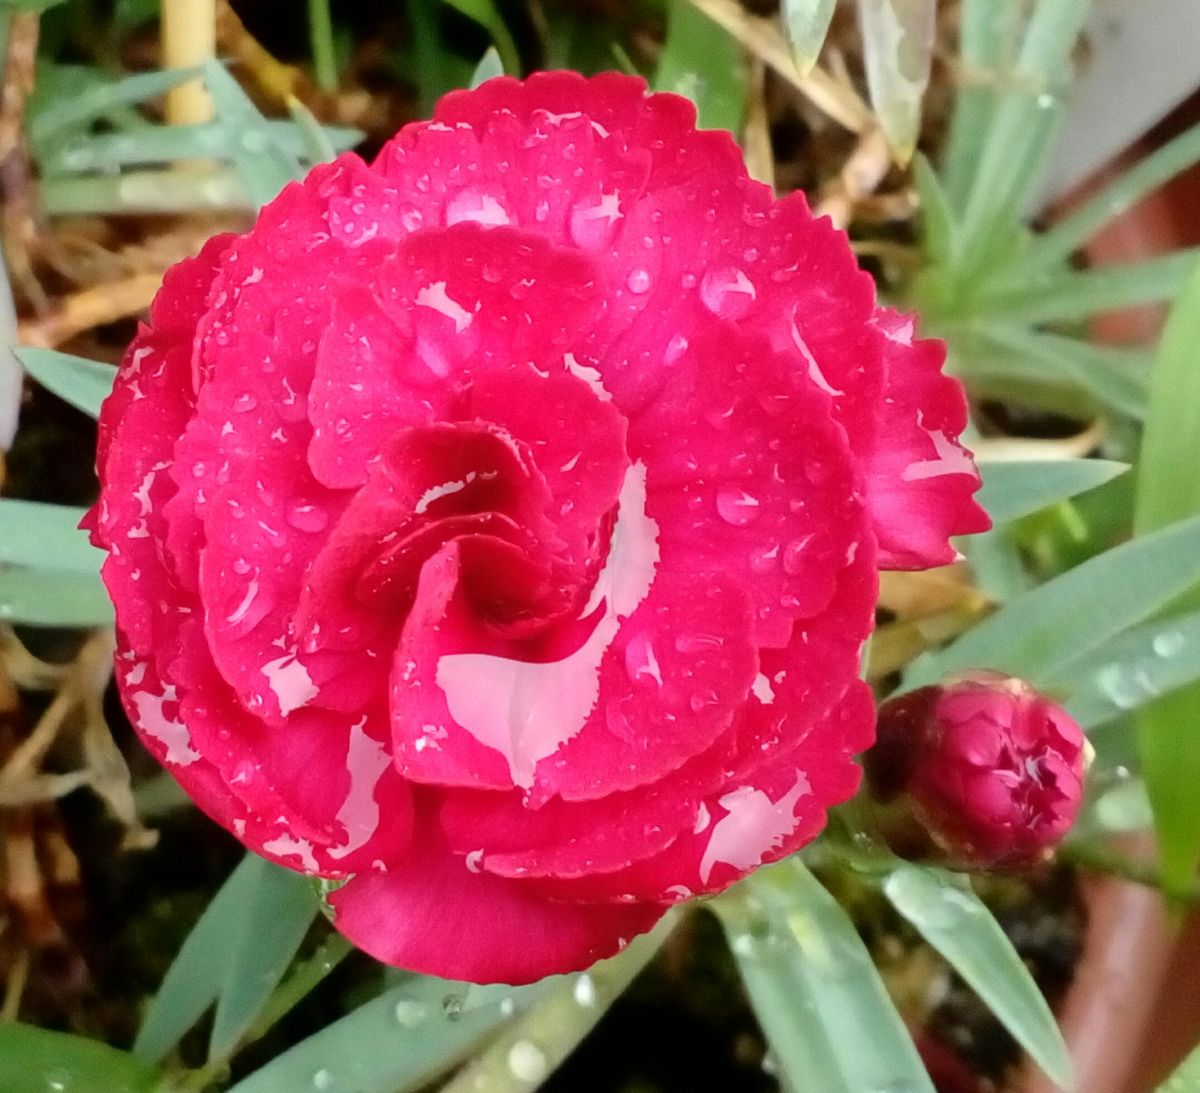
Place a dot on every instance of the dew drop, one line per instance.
(322, 1079)
(701, 700)
(727, 292)
(527, 1062)
(1168, 643)
(793, 555)
(638, 282)
(584, 990)
(409, 1012)
(307, 517)
(691, 643)
(735, 506)
(452, 1006)
(244, 403)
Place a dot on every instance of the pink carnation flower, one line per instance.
(989, 768)
(496, 527)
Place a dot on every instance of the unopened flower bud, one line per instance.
(983, 765)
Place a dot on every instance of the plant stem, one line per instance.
(320, 35)
(189, 38)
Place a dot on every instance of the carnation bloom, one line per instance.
(990, 769)
(495, 528)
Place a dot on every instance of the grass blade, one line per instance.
(167, 191)
(398, 1042)
(302, 137)
(198, 973)
(946, 912)
(898, 46)
(1072, 297)
(489, 67)
(52, 597)
(34, 1060)
(263, 163)
(1168, 492)
(1036, 633)
(1012, 490)
(66, 113)
(806, 24)
(704, 63)
(47, 536)
(1131, 670)
(815, 990)
(1123, 192)
(987, 51)
(84, 384)
(487, 15)
(271, 924)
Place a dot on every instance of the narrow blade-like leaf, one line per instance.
(272, 922)
(262, 161)
(947, 913)
(1036, 633)
(1015, 489)
(35, 1060)
(199, 970)
(52, 597)
(84, 384)
(813, 985)
(704, 63)
(398, 1042)
(806, 23)
(898, 45)
(46, 536)
(1168, 491)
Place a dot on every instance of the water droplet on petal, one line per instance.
(793, 555)
(727, 292)
(638, 282)
(307, 517)
(737, 507)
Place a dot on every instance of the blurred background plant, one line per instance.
(138, 954)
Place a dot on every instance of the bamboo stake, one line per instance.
(189, 38)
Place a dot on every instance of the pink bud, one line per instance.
(989, 768)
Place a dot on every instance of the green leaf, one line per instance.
(487, 15)
(1114, 376)
(398, 1042)
(320, 34)
(898, 48)
(165, 191)
(1131, 670)
(1019, 133)
(1169, 491)
(1057, 622)
(200, 969)
(270, 926)
(1074, 296)
(302, 137)
(806, 24)
(65, 113)
(490, 66)
(701, 61)
(1015, 489)
(84, 384)
(1123, 192)
(946, 912)
(51, 597)
(46, 536)
(35, 1060)
(813, 985)
(939, 232)
(987, 47)
(263, 162)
